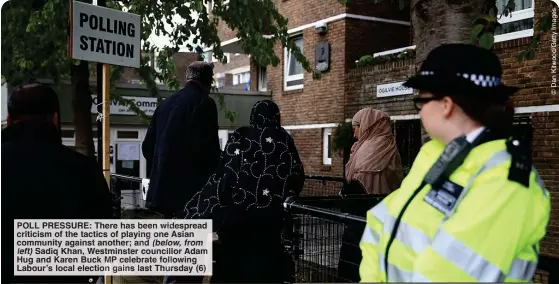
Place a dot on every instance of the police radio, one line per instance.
(452, 157)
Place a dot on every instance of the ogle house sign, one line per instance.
(105, 35)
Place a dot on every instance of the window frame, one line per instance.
(262, 79)
(241, 75)
(326, 146)
(286, 59)
(514, 17)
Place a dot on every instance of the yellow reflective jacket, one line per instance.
(492, 236)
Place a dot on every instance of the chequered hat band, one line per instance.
(480, 80)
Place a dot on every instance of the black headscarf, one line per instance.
(259, 169)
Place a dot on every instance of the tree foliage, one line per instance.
(34, 36)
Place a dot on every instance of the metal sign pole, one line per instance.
(106, 134)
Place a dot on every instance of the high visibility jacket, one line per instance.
(493, 234)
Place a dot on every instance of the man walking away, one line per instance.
(43, 179)
(182, 143)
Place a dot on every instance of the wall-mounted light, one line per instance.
(321, 28)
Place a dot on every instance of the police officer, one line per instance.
(472, 207)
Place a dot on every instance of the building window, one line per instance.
(293, 70)
(327, 146)
(241, 78)
(127, 134)
(520, 23)
(262, 79)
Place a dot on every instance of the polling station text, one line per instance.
(112, 247)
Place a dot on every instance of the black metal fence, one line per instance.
(128, 195)
(129, 202)
(322, 185)
(323, 233)
(323, 236)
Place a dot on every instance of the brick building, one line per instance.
(537, 107)
(129, 76)
(311, 109)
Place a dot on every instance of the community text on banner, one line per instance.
(113, 247)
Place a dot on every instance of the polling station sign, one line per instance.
(105, 35)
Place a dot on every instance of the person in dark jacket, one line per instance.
(182, 143)
(259, 169)
(43, 179)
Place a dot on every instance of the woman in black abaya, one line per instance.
(259, 169)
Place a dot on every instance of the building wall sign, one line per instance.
(393, 89)
(322, 56)
(146, 104)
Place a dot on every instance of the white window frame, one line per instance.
(326, 135)
(241, 78)
(286, 60)
(262, 79)
(513, 17)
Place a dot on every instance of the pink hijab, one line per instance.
(374, 160)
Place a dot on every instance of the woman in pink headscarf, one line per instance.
(374, 161)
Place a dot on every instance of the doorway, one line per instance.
(129, 161)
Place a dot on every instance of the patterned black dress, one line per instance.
(259, 169)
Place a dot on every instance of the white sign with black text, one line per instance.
(393, 89)
(105, 35)
(145, 104)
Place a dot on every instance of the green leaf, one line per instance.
(475, 33)
(486, 40)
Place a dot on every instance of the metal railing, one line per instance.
(128, 195)
(129, 202)
(322, 235)
(322, 185)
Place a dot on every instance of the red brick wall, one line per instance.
(129, 76)
(361, 88)
(309, 144)
(384, 9)
(320, 101)
(546, 160)
(533, 76)
(367, 38)
(254, 74)
(298, 12)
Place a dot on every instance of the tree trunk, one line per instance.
(437, 22)
(81, 104)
